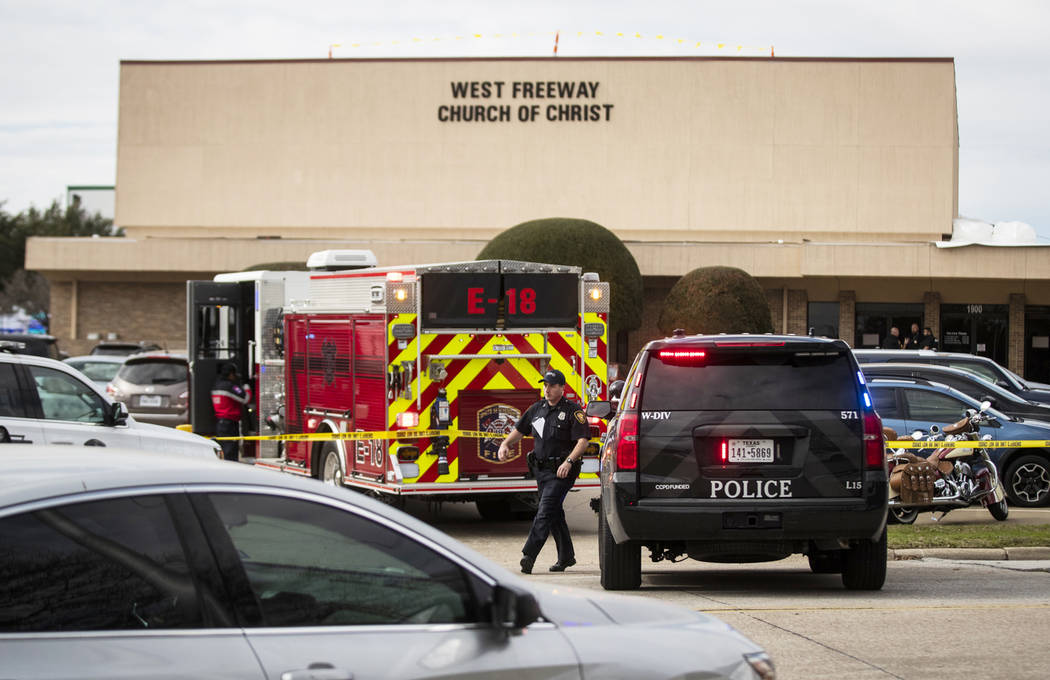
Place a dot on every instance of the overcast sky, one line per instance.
(59, 63)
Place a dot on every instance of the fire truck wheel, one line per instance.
(331, 464)
(494, 509)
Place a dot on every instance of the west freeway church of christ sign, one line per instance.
(525, 101)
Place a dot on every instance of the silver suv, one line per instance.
(43, 401)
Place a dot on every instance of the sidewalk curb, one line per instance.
(1019, 553)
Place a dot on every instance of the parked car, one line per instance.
(155, 386)
(196, 570)
(37, 344)
(43, 401)
(910, 404)
(123, 349)
(738, 448)
(966, 382)
(982, 366)
(100, 368)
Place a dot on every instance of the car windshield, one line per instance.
(102, 371)
(1017, 379)
(987, 372)
(974, 404)
(751, 381)
(156, 372)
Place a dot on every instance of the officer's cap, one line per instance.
(553, 377)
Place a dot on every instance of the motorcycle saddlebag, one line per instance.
(914, 482)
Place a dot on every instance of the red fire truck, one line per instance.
(407, 378)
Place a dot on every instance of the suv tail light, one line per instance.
(874, 451)
(627, 442)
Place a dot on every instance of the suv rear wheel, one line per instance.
(620, 563)
(864, 564)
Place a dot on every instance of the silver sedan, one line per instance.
(115, 568)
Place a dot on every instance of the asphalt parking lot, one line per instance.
(935, 617)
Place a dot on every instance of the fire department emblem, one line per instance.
(499, 419)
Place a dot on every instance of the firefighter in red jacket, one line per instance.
(228, 399)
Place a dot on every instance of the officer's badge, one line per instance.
(579, 417)
(561, 415)
(499, 419)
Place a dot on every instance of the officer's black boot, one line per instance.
(562, 566)
(526, 564)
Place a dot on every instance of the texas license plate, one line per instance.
(150, 400)
(750, 450)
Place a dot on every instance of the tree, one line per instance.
(580, 243)
(716, 300)
(54, 221)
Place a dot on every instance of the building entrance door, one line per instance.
(873, 321)
(976, 329)
(1037, 344)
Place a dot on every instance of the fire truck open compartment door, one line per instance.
(220, 323)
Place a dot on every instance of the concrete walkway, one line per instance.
(987, 554)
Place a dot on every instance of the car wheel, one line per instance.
(494, 509)
(903, 515)
(1000, 510)
(829, 562)
(331, 471)
(1028, 481)
(864, 564)
(620, 563)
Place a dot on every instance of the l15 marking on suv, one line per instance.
(751, 488)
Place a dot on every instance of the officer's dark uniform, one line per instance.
(562, 426)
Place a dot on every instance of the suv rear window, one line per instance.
(742, 381)
(157, 372)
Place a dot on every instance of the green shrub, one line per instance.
(579, 243)
(716, 300)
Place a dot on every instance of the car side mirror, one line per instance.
(513, 609)
(117, 414)
(615, 390)
(600, 409)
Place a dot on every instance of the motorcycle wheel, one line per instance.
(903, 515)
(1000, 510)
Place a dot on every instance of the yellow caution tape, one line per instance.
(968, 444)
(358, 436)
(689, 43)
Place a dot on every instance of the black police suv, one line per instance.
(744, 448)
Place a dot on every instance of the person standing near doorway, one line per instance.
(228, 400)
(914, 339)
(893, 340)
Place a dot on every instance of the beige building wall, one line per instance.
(682, 148)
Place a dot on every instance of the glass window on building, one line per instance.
(873, 321)
(1037, 343)
(823, 319)
(976, 329)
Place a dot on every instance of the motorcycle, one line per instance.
(948, 478)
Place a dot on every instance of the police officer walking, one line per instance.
(560, 431)
(228, 400)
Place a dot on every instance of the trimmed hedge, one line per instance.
(716, 300)
(579, 243)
